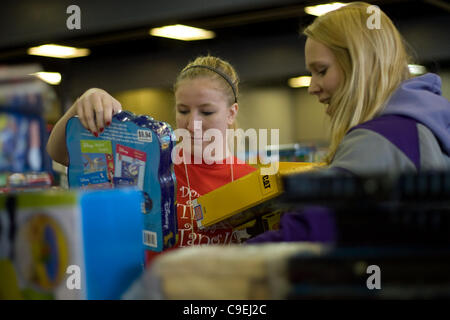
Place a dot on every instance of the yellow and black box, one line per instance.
(232, 203)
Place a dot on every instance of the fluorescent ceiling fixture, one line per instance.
(416, 69)
(57, 51)
(182, 32)
(299, 82)
(49, 77)
(323, 8)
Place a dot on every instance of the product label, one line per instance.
(95, 146)
(144, 135)
(267, 183)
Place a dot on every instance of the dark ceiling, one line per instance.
(261, 37)
(106, 26)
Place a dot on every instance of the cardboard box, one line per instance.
(246, 198)
(70, 244)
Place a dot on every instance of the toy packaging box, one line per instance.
(134, 151)
(59, 245)
(265, 222)
(234, 205)
(23, 135)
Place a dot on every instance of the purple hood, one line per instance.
(420, 98)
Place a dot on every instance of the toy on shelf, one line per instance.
(58, 245)
(296, 152)
(30, 181)
(23, 135)
(293, 152)
(132, 151)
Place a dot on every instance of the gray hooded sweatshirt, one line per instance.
(411, 135)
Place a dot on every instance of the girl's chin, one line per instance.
(328, 109)
(198, 151)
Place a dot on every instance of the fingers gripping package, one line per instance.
(134, 151)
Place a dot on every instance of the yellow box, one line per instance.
(230, 203)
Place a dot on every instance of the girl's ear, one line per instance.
(232, 113)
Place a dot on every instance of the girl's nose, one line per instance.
(313, 88)
(194, 123)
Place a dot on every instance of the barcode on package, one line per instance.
(150, 239)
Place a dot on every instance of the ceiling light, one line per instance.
(323, 8)
(57, 51)
(49, 77)
(299, 82)
(416, 69)
(182, 32)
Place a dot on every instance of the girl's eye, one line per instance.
(322, 72)
(207, 113)
(183, 111)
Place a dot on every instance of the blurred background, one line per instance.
(261, 38)
(114, 45)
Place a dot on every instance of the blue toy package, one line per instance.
(23, 132)
(22, 141)
(134, 151)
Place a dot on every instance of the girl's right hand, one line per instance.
(95, 109)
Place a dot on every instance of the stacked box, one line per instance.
(132, 151)
(70, 245)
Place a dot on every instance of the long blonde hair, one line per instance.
(374, 62)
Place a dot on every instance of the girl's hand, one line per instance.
(95, 109)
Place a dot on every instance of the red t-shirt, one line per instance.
(203, 178)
